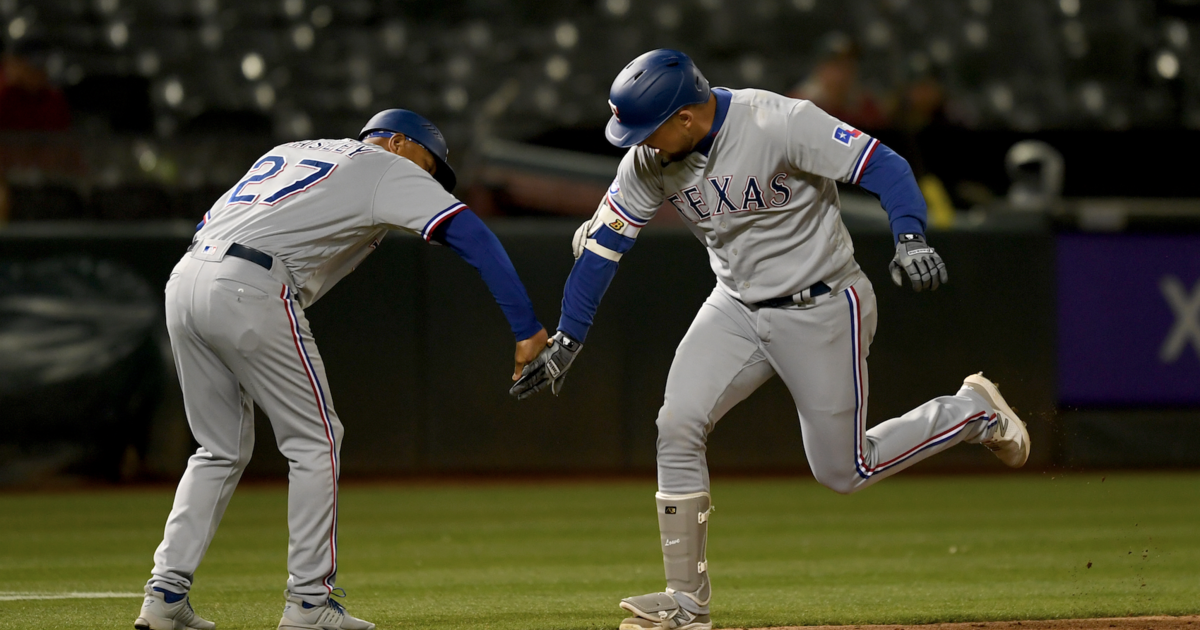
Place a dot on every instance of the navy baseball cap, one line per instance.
(416, 128)
(650, 90)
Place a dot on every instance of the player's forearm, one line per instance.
(476, 244)
(585, 287)
(891, 179)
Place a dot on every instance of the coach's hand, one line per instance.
(924, 267)
(549, 368)
(528, 351)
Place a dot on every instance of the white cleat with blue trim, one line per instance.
(1009, 439)
(301, 615)
(164, 610)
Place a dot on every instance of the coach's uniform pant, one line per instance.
(820, 352)
(238, 337)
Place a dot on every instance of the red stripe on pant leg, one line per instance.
(860, 422)
(328, 436)
(859, 395)
(931, 440)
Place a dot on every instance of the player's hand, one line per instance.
(924, 267)
(528, 351)
(549, 368)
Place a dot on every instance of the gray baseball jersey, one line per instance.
(320, 242)
(762, 200)
(239, 335)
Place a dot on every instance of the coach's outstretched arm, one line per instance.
(889, 177)
(597, 248)
(475, 243)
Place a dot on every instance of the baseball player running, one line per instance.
(305, 215)
(753, 174)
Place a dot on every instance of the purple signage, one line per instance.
(1129, 319)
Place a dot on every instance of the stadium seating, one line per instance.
(518, 68)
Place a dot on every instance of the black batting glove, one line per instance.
(917, 259)
(549, 368)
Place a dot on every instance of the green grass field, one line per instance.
(561, 555)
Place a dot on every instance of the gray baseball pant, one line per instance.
(239, 337)
(820, 352)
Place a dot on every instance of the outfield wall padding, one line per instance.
(418, 356)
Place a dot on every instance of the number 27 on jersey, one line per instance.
(270, 194)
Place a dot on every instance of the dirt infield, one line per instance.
(1121, 623)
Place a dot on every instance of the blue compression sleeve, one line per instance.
(889, 177)
(587, 283)
(475, 243)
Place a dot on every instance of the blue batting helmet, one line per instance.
(416, 128)
(649, 91)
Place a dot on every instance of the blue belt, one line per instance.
(262, 259)
(820, 288)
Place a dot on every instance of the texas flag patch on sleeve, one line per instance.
(846, 134)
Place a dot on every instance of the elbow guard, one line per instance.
(606, 234)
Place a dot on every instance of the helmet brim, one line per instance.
(444, 174)
(622, 135)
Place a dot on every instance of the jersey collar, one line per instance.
(723, 97)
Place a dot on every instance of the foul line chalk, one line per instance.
(12, 597)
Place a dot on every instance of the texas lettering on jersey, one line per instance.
(691, 201)
(763, 198)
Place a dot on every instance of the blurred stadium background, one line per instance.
(1052, 139)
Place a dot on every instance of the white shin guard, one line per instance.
(683, 527)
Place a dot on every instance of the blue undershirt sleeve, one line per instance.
(889, 177)
(475, 243)
(588, 282)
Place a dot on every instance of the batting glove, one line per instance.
(924, 267)
(549, 368)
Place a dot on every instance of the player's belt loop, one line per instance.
(802, 298)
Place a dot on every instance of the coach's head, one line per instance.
(660, 100)
(411, 136)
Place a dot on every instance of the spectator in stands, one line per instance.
(28, 101)
(927, 132)
(924, 104)
(921, 111)
(834, 86)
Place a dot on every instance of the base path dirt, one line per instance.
(1120, 623)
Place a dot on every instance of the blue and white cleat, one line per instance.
(301, 615)
(164, 610)
(1009, 439)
